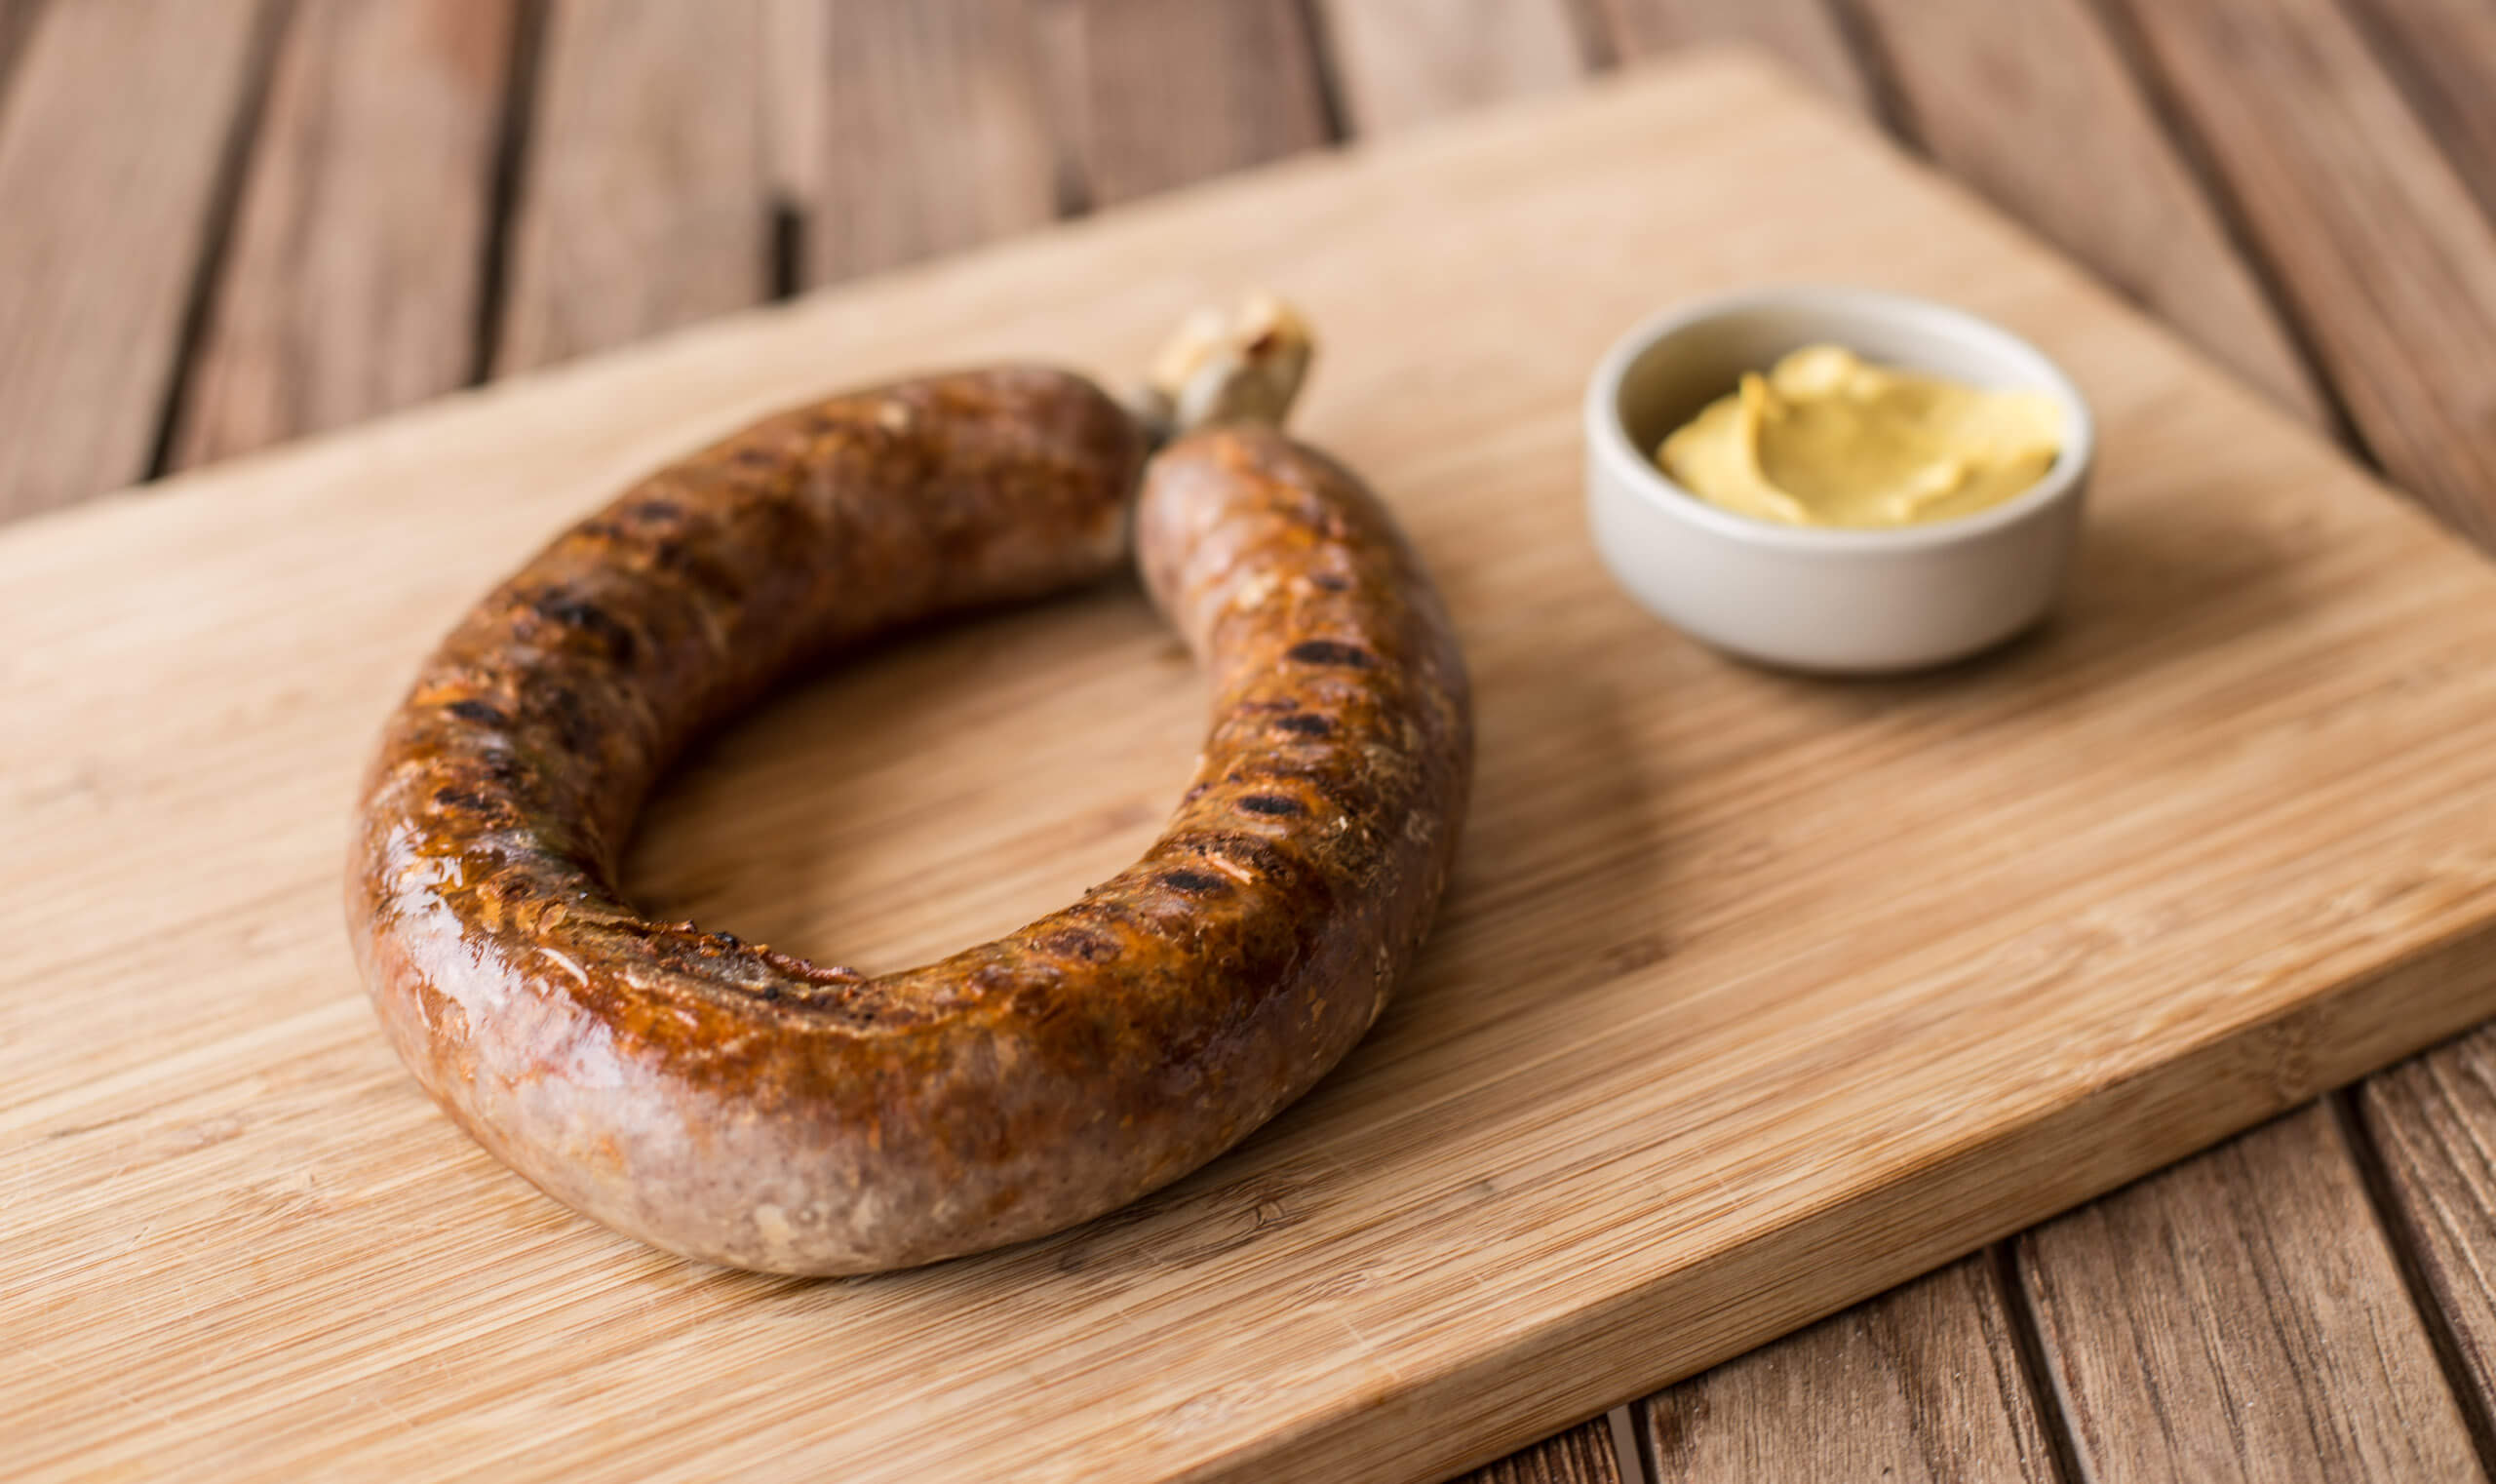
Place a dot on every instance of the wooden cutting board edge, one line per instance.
(1650, 1338)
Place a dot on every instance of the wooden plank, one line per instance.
(1166, 91)
(2433, 1120)
(2242, 1318)
(2443, 52)
(110, 212)
(1923, 1383)
(2388, 264)
(1401, 61)
(1582, 1455)
(351, 287)
(933, 133)
(2213, 840)
(644, 203)
(1802, 33)
(2031, 104)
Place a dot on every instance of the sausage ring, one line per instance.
(734, 1104)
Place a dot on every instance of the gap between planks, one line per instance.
(352, 279)
(115, 215)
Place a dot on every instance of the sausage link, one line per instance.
(730, 1103)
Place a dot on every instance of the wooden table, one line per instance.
(224, 224)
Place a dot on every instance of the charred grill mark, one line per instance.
(1301, 883)
(572, 723)
(1330, 651)
(1271, 805)
(713, 580)
(1306, 725)
(480, 711)
(1194, 883)
(571, 611)
(1258, 856)
(490, 811)
(1330, 582)
(1354, 793)
(499, 765)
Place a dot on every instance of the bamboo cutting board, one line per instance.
(1755, 994)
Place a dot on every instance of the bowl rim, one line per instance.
(1609, 435)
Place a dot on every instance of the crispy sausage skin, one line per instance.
(738, 1105)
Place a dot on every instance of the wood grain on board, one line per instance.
(2031, 104)
(1920, 1385)
(644, 203)
(1804, 34)
(2387, 261)
(1582, 1455)
(2210, 842)
(2242, 1317)
(352, 284)
(933, 133)
(1163, 93)
(2433, 1120)
(111, 212)
(1401, 61)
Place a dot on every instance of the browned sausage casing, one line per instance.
(742, 1105)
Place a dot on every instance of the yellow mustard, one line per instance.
(1828, 439)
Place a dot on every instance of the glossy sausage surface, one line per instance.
(742, 1105)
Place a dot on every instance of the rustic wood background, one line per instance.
(224, 224)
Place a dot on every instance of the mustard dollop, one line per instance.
(1826, 438)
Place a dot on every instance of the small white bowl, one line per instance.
(1809, 598)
